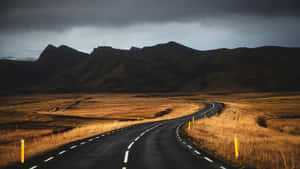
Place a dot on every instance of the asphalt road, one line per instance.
(156, 145)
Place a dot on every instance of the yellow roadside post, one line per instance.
(236, 147)
(193, 119)
(189, 127)
(22, 151)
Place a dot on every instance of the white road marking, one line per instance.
(33, 167)
(126, 156)
(73, 147)
(136, 139)
(208, 159)
(130, 145)
(62, 152)
(82, 143)
(183, 142)
(48, 159)
(97, 137)
(91, 140)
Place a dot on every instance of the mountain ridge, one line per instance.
(167, 67)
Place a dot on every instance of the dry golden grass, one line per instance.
(276, 146)
(49, 121)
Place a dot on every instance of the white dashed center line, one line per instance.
(130, 145)
(208, 159)
(136, 139)
(62, 152)
(82, 143)
(48, 159)
(126, 156)
(34, 167)
(197, 152)
(73, 147)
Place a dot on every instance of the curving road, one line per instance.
(156, 145)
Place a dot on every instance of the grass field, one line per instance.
(267, 126)
(49, 121)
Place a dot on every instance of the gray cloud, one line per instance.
(27, 26)
(64, 14)
(217, 34)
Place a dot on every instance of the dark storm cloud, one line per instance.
(61, 14)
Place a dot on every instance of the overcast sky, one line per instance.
(28, 26)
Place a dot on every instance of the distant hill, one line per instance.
(161, 68)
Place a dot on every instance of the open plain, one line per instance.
(47, 121)
(267, 124)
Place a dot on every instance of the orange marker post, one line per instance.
(22, 151)
(236, 147)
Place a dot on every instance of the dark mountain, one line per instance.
(160, 68)
(21, 76)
